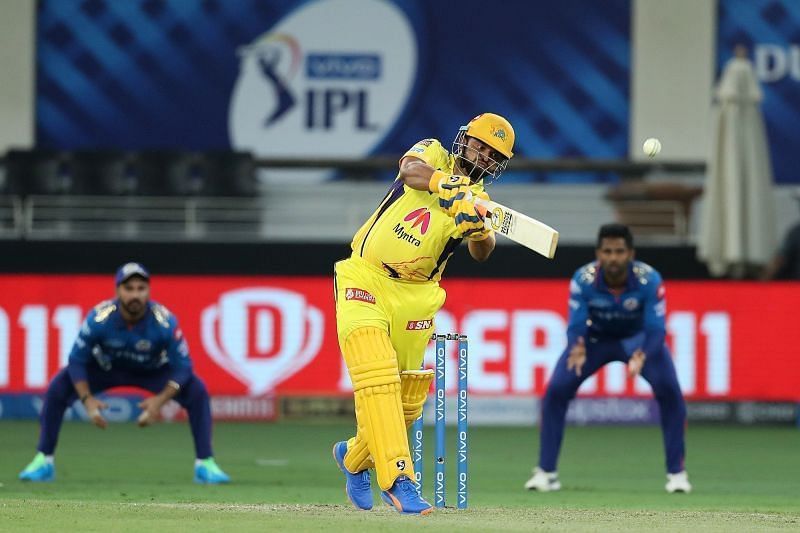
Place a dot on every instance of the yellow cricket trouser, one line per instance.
(384, 325)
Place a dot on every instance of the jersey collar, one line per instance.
(600, 280)
(120, 323)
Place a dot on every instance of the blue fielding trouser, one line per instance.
(659, 372)
(193, 396)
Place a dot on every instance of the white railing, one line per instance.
(11, 217)
(329, 212)
(143, 218)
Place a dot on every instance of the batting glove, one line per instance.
(450, 189)
(481, 211)
(468, 220)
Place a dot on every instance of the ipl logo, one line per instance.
(335, 93)
(267, 57)
(262, 336)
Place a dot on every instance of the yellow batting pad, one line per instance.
(414, 386)
(372, 364)
(358, 457)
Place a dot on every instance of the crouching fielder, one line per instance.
(387, 294)
(616, 313)
(129, 341)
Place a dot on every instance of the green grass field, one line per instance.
(131, 479)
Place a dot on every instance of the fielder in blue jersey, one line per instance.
(616, 313)
(128, 342)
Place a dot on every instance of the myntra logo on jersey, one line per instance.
(420, 219)
(302, 91)
(262, 335)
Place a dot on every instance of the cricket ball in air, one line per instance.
(651, 147)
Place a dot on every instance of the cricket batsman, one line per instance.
(129, 341)
(388, 292)
(616, 313)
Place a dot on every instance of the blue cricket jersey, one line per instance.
(149, 344)
(596, 311)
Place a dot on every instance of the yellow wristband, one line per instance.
(436, 178)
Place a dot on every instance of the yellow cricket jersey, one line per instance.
(408, 236)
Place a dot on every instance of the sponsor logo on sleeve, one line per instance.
(419, 325)
(183, 349)
(359, 294)
(574, 288)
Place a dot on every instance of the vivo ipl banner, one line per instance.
(251, 336)
(330, 78)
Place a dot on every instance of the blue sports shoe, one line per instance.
(208, 473)
(404, 496)
(358, 486)
(38, 470)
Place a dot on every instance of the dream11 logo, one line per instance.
(329, 80)
(262, 335)
(775, 62)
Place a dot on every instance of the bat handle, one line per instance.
(481, 206)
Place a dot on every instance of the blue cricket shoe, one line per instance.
(40, 469)
(358, 486)
(208, 473)
(404, 496)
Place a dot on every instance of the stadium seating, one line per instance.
(128, 173)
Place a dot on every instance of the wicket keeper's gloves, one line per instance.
(450, 190)
(468, 220)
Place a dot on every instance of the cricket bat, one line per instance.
(520, 228)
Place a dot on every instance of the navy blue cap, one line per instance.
(128, 270)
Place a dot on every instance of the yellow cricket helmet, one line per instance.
(492, 130)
